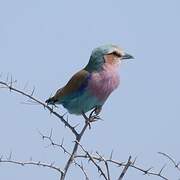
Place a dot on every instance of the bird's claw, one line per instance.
(94, 118)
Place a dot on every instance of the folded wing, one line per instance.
(76, 84)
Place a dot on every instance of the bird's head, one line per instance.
(110, 54)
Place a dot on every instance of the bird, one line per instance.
(89, 88)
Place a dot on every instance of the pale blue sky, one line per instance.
(44, 42)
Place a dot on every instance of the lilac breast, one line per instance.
(104, 82)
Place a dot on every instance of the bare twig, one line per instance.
(82, 169)
(176, 165)
(106, 165)
(93, 161)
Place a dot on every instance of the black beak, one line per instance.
(127, 56)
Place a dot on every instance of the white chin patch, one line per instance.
(118, 61)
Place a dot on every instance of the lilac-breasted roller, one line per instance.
(90, 87)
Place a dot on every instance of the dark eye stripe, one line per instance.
(116, 54)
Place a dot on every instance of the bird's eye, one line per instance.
(115, 53)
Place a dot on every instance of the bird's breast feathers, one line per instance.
(102, 83)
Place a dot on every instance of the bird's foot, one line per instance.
(93, 117)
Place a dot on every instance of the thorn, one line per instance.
(11, 80)
(101, 157)
(76, 126)
(25, 86)
(41, 134)
(67, 119)
(134, 160)
(162, 169)
(1, 158)
(10, 156)
(64, 114)
(52, 164)
(51, 133)
(32, 91)
(10, 83)
(111, 155)
(62, 142)
(82, 164)
(7, 78)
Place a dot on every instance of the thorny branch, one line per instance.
(30, 96)
(73, 156)
(61, 146)
(132, 165)
(78, 136)
(54, 144)
(30, 162)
